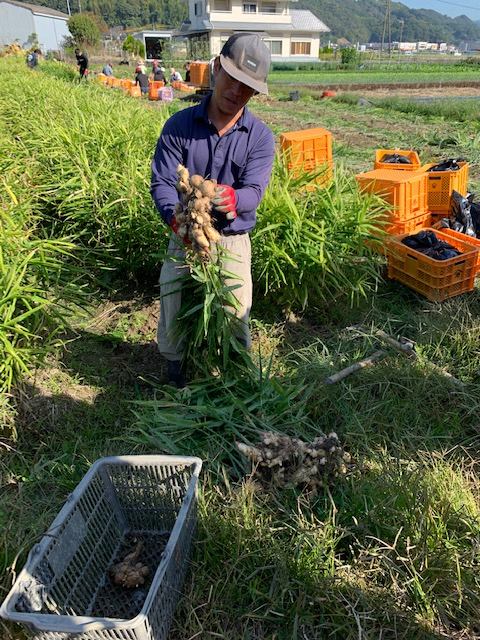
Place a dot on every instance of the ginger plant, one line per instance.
(206, 322)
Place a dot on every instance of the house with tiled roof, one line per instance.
(290, 34)
(19, 21)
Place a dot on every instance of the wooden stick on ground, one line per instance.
(336, 377)
(407, 348)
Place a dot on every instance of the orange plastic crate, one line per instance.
(117, 82)
(462, 236)
(200, 74)
(440, 185)
(404, 191)
(153, 88)
(411, 155)
(437, 280)
(308, 150)
(135, 91)
(412, 225)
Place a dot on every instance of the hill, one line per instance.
(364, 20)
(355, 20)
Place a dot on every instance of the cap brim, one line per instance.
(241, 76)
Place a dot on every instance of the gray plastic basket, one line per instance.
(65, 590)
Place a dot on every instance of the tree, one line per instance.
(133, 46)
(85, 30)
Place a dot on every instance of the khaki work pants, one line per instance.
(239, 248)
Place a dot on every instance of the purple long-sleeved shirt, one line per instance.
(242, 158)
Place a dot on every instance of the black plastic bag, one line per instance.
(395, 158)
(461, 211)
(427, 242)
(451, 164)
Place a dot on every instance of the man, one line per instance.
(175, 76)
(141, 80)
(218, 138)
(32, 58)
(108, 70)
(82, 63)
(158, 73)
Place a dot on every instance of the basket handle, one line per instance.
(74, 624)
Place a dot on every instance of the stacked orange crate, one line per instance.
(308, 150)
(153, 88)
(200, 74)
(405, 195)
(440, 185)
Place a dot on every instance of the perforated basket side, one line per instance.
(57, 589)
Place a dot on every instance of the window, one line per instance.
(269, 8)
(249, 7)
(300, 48)
(198, 9)
(275, 47)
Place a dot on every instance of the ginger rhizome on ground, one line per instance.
(279, 460)
(193, 216)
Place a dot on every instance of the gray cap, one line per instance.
(247, 59)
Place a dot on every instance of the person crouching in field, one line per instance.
(141, 80)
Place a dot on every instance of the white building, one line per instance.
(289, 34)
(19, 22)
(155, 43)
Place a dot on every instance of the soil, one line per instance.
(412, 90)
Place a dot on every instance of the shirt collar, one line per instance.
(243, 123)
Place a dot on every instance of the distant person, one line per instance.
(141, 64)
(108, 70)
(141, 80)
(175, 75)
(186, 67)
(32, 58)
(82, 63)
(158, 73)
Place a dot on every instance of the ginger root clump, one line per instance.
(194, 219)
(280, 460)
(129, 573)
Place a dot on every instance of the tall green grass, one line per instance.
(87, 151)
(311, 243)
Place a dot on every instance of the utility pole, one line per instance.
(384, 28)
(68, 8)
(402, 22)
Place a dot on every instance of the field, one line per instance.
(389, 550)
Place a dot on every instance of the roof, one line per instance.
(37, 9)
(303, 20)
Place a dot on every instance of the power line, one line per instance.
(464, 6)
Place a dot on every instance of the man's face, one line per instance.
(229, 94)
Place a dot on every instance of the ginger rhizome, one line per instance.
(193, 217)
(279, 460)
(129, 573)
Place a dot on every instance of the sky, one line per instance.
(469, 8)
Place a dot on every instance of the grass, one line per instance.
(390, 550)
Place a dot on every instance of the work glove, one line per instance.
(174, 225)
(224, 201)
